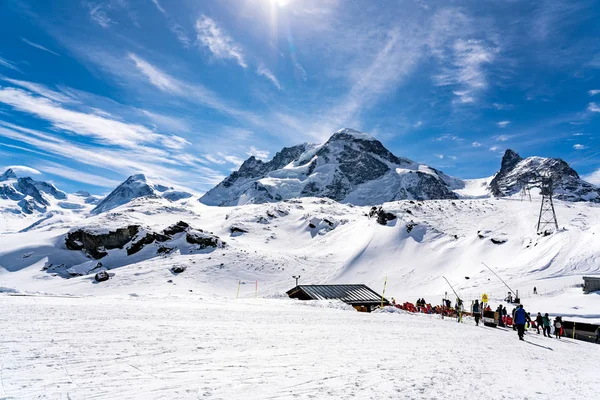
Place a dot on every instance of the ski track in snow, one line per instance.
(166, 348)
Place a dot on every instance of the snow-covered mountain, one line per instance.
(137, 186)
(516, 172)
(27, 194)
(351, 167)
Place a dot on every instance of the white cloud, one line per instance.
(469, 58)
(440, 156)
(21, 170)
(165, 165)
(177, 29)
(448, 136)
(221, 45)
(7, 64)
(579, 147)
(213, 159)
(39, 46)
(78, 176)
(578, 134)
(101, 128)
(418, 124)
(593, 92)
(39, 89)
(263, 71)
(494, 148)
(98, 14)
(159, 79)
(260, 154)
(232, 159)
(503, 124)
(166, 122)
(593, 107)
(501, 138)
(593, 178)
(159, 7)
(192, 92)
(476, 144)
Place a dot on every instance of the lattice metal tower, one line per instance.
(525, 191)
(547, 216)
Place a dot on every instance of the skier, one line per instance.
(459, 305)
(509, 298)
(499, 311)
(520, 320)
(534, 290)
(476, 313)
(539, 322)
(546, 326)
(597, 335)
(513, 318)
(557, 327)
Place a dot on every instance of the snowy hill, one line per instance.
(351, 167)
(320, 239)
(516, 172)
(25, 203)
(134, 187)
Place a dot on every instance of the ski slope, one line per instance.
(190, 347)
(327, 242)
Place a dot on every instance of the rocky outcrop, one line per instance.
(96, 244)
(134, 238)
(383, 217)
(203, 239)
(517, 172)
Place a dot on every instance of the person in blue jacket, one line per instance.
(520, 321)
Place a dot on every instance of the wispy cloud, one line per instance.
(39, 46)
(260, 154)
(221, 45)
(264, 71)
(39, 89)
(8, 64)
(97, 12)
(21, 170)
(448, 136)
(593, 107)
(503, 124)
(192, 92)
(494, 148)
(467, 73)
(579, 147)
(593, 92)
(476, 144)
(158, 78)
(593, 178)
(101, 128)
(77, 175)
(501, 138)
(177, 29)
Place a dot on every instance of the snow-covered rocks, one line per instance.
(96, 244)
(137, 186)
(517, 172)
(351, 167)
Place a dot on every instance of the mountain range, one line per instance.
(351, 167)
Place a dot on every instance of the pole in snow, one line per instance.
(457, 296)
(383, 295)
(256, 290)
(238, 291)
(513, 292)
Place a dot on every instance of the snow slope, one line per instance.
(191, 347)
(327, 242)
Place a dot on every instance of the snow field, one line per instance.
(169, 347)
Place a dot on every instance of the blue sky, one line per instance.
(92, 91)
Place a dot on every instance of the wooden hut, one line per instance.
(361, 297)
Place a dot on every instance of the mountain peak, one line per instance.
(510, 159)
(137, 177)
(352, 132)
(8, 174)
(351, 167)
